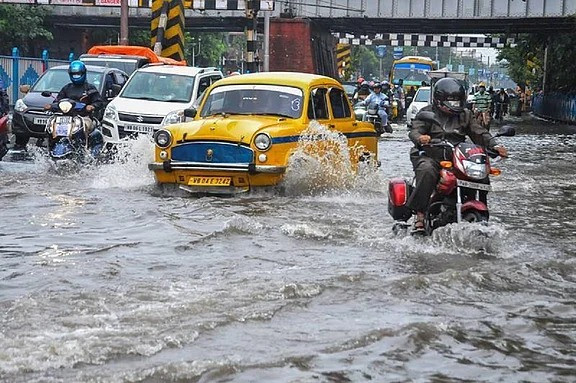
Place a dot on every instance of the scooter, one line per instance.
(68, 137)
(372, 116)
(461, 192)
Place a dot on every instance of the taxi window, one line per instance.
(339, 103)
(317, 108)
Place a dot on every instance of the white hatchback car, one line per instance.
(155, 96)
(421, 99)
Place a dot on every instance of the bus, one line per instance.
(412, 70)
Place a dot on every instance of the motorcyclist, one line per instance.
(482, 104)
(453, 122)
(501, 101)
(362, 92)
(4, 109)
(381, 99)
(81, 91)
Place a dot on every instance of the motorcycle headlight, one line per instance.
(163, 138)
(111, 113)
(174, 117)
(20, 106)
(65, 106)
(475, 170)
(263, 141)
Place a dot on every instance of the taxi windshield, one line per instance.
(276, 100)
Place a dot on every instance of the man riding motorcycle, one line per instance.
(381, 100)
(453, 122)
(82, 91)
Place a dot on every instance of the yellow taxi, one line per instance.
(247, 127)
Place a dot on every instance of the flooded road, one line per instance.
(103, 278)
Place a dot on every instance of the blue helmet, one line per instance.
(77, 72)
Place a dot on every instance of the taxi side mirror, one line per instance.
(190, 112)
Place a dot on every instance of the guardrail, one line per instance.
(16, 71)
(555, 106)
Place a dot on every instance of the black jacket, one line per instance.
(86, 93)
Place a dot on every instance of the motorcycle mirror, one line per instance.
(506, 131)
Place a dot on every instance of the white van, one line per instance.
(155, 96)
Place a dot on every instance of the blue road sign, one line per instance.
(398, 53)
(381, 51)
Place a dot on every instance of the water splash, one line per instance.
(129, 166)
(322, 163)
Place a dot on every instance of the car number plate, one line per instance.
(474, 185)
(139, 128)
(209, 181)
(40, 120)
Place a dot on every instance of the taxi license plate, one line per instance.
(139, 129)
(474, 185)
(40, 120)
(209, 181)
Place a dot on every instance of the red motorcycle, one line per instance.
(460, 195)
(3, 135)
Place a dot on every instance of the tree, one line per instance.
(23, 26)
(526, 61)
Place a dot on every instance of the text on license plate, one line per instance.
(474, 185)
(40, 120)
(209, 181)
(139, 129)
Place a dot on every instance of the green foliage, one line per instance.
(208, 48)
(23, 26)
(526, 61)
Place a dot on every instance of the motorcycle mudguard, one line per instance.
(398, 192)
(474, 205)
(61, 149)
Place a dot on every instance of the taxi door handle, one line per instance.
(331, 126)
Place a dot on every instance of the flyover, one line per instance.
(356, 17)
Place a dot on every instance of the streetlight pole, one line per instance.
(194, 54)
(123, 22)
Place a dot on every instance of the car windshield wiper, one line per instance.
(275, 114)
(143, 98)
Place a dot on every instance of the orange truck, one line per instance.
(125, 57)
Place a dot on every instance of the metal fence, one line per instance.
(556, 106)
(16, 71)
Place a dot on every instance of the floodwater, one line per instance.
(104, 278)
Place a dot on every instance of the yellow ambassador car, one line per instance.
(246, 128)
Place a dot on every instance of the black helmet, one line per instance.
(449, 96)
(377, 85)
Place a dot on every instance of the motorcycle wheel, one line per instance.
(475, 216)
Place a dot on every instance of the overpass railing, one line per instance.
(555, 106)
(16, 71)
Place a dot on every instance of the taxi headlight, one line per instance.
(20, 106)
(174, 117)
(263, 141)
(110, 113)
(163, 138)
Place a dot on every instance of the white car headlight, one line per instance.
(174, 117)
(111, 113)
(20, 106)
(263, 141)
